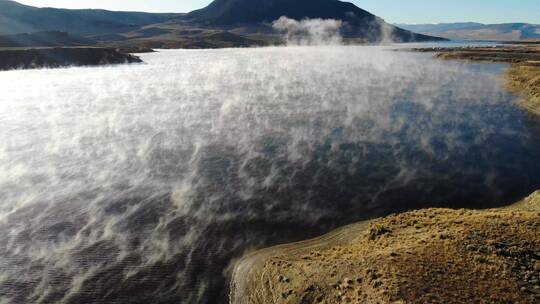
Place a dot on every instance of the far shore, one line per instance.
(54, 57)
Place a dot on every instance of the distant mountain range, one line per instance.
(223, 23)
(18, 18)
(478, 31)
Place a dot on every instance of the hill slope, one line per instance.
(256, 11)
(42, 39)
(360, 23)
(478, 31)
(18, 18)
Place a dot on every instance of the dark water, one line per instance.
(140, 184)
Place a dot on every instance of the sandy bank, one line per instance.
(426, 256)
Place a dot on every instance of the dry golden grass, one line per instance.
(427, 256)
(525, 79)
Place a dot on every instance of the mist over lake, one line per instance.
(144, 183)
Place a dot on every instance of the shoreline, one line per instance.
(522, 77)
(57, 57)
(423, 256)
(405, 258)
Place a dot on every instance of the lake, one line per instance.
(143, 183)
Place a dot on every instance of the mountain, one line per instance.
(478, 31)
(223, 12)
(44, 39)
(18, 18)
(223, 23)
(360, 23)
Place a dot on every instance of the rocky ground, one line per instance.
(426, 256)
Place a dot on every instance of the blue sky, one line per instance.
(395, 11)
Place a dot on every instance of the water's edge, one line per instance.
(519, 78)
(254, 277)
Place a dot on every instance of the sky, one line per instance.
(393, 11)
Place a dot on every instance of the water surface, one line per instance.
(141, 183)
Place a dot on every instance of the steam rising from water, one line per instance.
(309, 31)
(139, 184)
